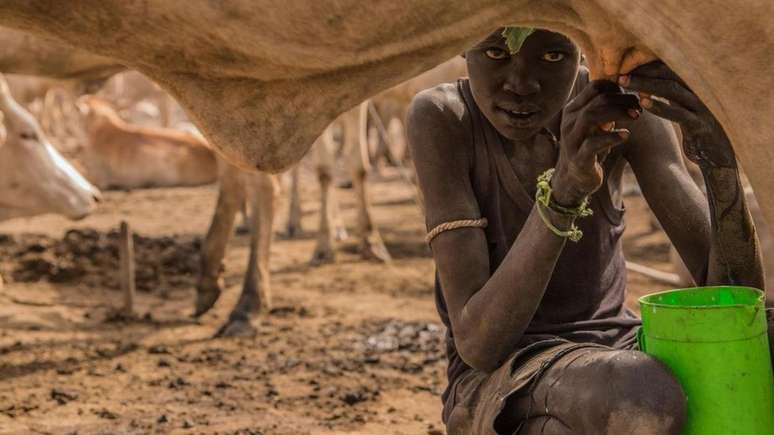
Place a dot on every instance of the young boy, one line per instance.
(509, 162)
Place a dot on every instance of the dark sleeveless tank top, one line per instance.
(584, 299)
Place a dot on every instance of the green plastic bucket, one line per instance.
(714, 340)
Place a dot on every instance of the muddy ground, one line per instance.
(348, 348)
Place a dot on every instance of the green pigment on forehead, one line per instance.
(515, 37)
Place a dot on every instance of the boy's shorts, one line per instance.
(479, 397)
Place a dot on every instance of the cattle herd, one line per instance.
(78, 118)
(163, 149)
(157, 146)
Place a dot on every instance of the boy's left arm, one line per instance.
(715, 236)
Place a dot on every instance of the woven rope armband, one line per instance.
(453, 225)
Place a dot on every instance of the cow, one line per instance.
(245, 81)
(34, 177)
(106, 157)
(113, 168)
(235, 188)
(125, 156)
(119, 155)
(389, 106)
(245, 69)
(371, 246)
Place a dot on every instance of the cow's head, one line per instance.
(34, 177)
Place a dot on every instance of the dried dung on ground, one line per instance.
(89, 257)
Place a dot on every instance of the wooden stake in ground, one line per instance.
(126, 260)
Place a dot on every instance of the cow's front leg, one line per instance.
(231, 194)
(263, 190)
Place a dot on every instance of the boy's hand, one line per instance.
(704, 141)
(588, 136)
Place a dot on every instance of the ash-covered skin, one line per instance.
(735, 257)
(521, 94)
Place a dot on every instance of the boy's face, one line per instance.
(521, 93)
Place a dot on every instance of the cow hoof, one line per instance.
(237, 328)
(205, 299)
(322, 256)
(373, 249)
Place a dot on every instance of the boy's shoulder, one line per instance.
(440, 100)
(442, 110)
(439, 127)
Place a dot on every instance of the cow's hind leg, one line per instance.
(256, 292)
(231, 194)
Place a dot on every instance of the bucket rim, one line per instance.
(643, 302)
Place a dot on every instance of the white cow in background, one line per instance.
(120, 154)
(34, 177)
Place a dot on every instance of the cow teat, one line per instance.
(608, 62)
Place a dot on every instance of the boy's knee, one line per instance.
(640, 394)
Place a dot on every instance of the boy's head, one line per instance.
(521, 89)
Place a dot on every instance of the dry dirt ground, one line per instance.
(349, 348)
